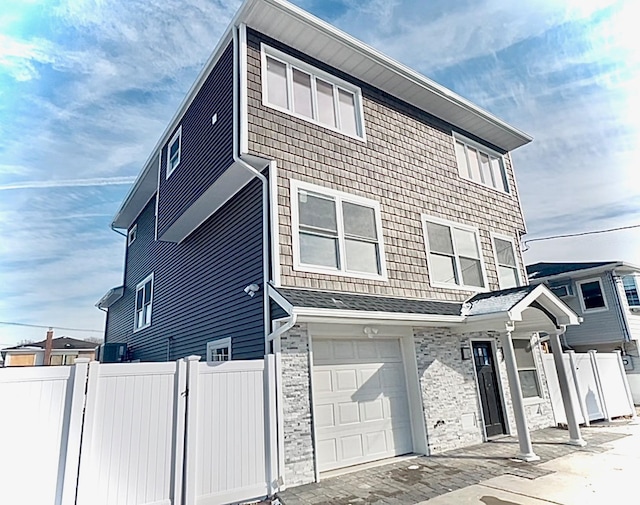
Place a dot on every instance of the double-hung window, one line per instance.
(174, 151)
(592, 297)
(219, 350)
(480, 164)
(630, 284)
(504, 249)
(336, 233)
(453, 255)
(527, 370)
(144, 299)
(295, 87)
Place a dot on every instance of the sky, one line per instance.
(88, 86)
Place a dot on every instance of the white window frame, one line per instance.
(604, 296)
(176, 136)
(132, 235)
(529, 399)
(139, 286)
(516, 250)
(453, 224)
(214, 345)
(486, 150)
(635, 277)
(339, 197)
(337, 83)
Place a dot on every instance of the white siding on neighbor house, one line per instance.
(632, 316)
(599, 327)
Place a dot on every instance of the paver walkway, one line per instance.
(415, 480)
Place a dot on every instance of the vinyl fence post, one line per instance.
(271, 428)
(625, 381)
(191, 431)
(596, 375)
(74, 432)
(180, 412)
(574, 374)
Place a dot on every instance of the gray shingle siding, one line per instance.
(207, 149)
(198, 285)
(408, 164)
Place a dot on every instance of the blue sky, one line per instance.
(87, 87)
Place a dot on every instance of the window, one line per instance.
(336, 233)
(591, 295)
(174, 151)
(480, 164)
(309, 93)
(132, 235)
(630, 284)
(219, 350)
(144, 297)
(62, 359)
(453, 254)
(506, 262)
(526, 368)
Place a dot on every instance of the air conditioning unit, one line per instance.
(112, 353)
(562, 290)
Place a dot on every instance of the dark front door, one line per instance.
(492, 412)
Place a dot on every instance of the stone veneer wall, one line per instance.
(448, 388)
(296, 394)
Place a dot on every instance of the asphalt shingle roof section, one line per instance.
(495, 301)
(538, 270)
(346, 301)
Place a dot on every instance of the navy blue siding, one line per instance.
(207, 149)
(276, 311)
(198, 285)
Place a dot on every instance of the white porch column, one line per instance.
(524, 438)
(575, 438)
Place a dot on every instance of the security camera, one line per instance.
(251, 289)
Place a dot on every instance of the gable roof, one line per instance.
(546, 271)
(59, 343)
(301, 30)
(495, 301)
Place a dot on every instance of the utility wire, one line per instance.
(607, 230)
(9, 323)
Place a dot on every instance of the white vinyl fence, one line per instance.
(598, 385)
(178, 433)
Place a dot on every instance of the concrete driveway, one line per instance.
(486, 474)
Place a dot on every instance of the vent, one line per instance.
(562, 290)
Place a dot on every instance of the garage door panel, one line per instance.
(360, 402)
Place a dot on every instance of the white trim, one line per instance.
(214, 345)
(176, 136)
(488, 151)
(135, 300)
(158, 195)
(274, 207)
(307, 314)
(242, 91)
(516, 251)
(132, 234)
(414, 392)
(453, 224)
(339, 196)
(291, 62)
(581, 296)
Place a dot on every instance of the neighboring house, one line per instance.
(606, 295)
(64, 351)
(314, 198)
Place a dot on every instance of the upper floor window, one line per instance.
(219, 350)
(630, 284)
(144, 298)
(295, 87)
(480, 164)
(174, 151)
(504, 249)
(527, 371)
(592, 297)
(336, 233)
(132, 235)
(453, 255)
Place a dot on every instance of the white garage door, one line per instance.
(361, 405)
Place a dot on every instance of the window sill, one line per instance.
(340, 273)
(136, 330)
(483, 185)
(535, 400)
(594, 311)
(456, 287)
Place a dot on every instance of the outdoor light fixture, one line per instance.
(465, 352)
(370, 331)
(252, 289)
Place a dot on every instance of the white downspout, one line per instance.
(263, 180)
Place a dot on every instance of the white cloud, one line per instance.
(105, 181)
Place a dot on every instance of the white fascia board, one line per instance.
(549, 301)
(309, 314)
(581, 273)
